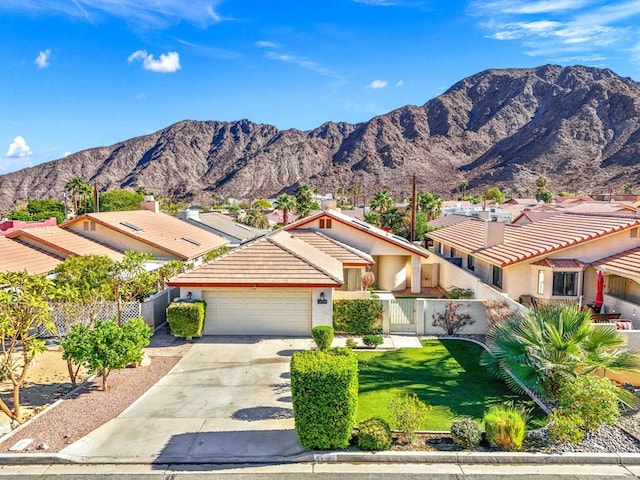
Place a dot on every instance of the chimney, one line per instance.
(329, 204)
(150, 203)
(484, 215)
(493, 233)
(189, 214)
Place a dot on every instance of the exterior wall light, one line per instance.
(322, 300)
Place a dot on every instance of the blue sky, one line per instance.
(79, 74)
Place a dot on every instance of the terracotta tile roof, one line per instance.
(16, 256)
(447, 220)
(532, 240)
(529, 216)
(277, 260)
(159, 230)
(560, 263)
(361, 226)
(64, 243)
(625, 263)
(346, 254)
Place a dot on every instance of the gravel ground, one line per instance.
(88, 407)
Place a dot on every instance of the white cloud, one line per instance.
(66, 154)
(143, 13)
(42, 60)
(400, 83)
(562, 28)
(266, 44)
(19, 148)
(301, 62)
(378, 84)
(167, 63)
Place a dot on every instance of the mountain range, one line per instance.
(578, 126)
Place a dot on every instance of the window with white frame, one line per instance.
(540, 282)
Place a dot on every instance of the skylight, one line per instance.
(191, 240)
(132, 226)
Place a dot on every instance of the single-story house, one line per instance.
(147, 230)
(397, 262)
(553, 259)
(284, 283)
(275, 285)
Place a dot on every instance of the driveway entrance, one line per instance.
(228, 399)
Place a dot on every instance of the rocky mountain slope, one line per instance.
(578, 126)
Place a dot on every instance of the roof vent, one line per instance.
(191, 240)
(133, 227)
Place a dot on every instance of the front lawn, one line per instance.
(445, 374)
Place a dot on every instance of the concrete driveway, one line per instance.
(228, 399)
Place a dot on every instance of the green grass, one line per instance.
(445, 374)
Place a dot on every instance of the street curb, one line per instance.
(496, 458)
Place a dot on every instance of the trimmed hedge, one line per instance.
(186, 319)
(360, 316)
(323, 336)
(374, 434)
(324, 390)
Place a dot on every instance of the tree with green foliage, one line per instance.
(409, 412)
(462, 188)
(88, 275)
(119, 200)
(430, 204)
(392, 219)
(40, 210)
(547, 347)
(356, 191)
(382, 201)
(260, 204)
(287, 203)
(493, 194)
(544, 195)
(131, 281)
(541, 182)
(255, 219)
(216, 253)
(373, 218)
(628, 188)
(75, 186)
(24, 315)
(304, 200)
(106, 346)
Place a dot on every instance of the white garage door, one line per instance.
(258, 312)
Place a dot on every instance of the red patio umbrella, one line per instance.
(599, 291)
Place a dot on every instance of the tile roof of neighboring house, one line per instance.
(276, 260)
(363, 227)
(10, 226)
(624, 263)
(447, 220)
(276, 217)
(227, 226)
(532, 240)
(530, 216)
(560, 263)
(64, 243)
(520, 201)
(456, 203)
(573, 199)
(16, 256)
(159, 230)
(348, 255)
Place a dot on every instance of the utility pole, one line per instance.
(414, 209)
(96, 205)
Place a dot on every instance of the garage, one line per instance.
(276, 312)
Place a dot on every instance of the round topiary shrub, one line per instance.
(466, 433)
(372, 341)
(323, 336)
(351, 343)
(374, 434)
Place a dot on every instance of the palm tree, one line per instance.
(85, 191)
(382, 201)
(548, 346)
(256, 219)
(286, 203)
(356, 190)
(75, 186)
(430, 203)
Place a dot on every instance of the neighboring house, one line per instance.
(275, 285)
(64, 243)
(276, 217)
(553, 259)
(222, 225)
(397, 262)
(163, 236)
(10, 226)
(284, 283)
(17, 256)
